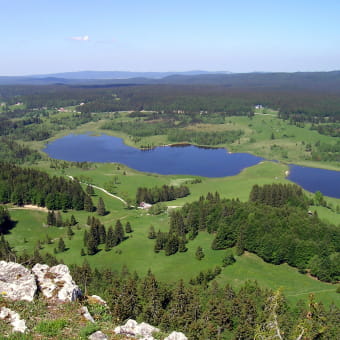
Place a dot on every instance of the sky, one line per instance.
(50, 36)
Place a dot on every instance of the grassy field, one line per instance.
(137, 254)
(137, 251)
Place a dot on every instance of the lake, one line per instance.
(181, 160)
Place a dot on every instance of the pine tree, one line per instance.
(171, 246)
(102, 234)
(61, 245)
(128, 228)
(111, 239)
(82, 252)
(91, 245)
(152, 233)
(85, 238)
(119, 231)
(199, 253)
(73, 220)
(90, 190)
(70, 232)
(88, 205)
(58, 219)
(101, 207)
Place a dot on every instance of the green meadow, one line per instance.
(136, 252)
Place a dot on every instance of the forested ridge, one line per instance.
(277, 229)
(29, 186)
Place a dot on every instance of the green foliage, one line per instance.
(199, 254)
(101, 207)
(228, 260)
(50, 328)
(163, 194)
(204, 138)
(89, 329)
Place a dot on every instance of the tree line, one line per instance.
(161, 194)
(30, 186)
(304, 241)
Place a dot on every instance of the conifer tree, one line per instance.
(119, 232)
(128, 228)
(73, 220)
(102, 234)
(61, 245)
(85, 238)
(70, 232)
(101, 207)
(58, 219)
(152, 233)
(82, 252)
(199, 253)
(88, 205)
(90, 190)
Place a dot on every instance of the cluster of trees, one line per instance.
(54, 218)
(13, 152)
(29, 186)
(139, 128)
(5, 220)
(326, 152)
(255, 227)
(328, 129)
(207, 312)
(99, 235)
(204, 138)
(203, 278)
(161, 194)
(171, 243)
(277, 195)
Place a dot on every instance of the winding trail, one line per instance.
(101, 189)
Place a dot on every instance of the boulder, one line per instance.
(56, 282)
(14, 319)
(142, 331)
(97, 299)
(16, 282)
(98, 336)
(176, 336)
(86, 314)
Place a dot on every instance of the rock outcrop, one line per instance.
(16, 282)
(56, 282)
(176, 336)
(14, 319)
(98, 336)
(142, 331)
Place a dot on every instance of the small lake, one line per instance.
(181, 160)
(167, 160)
(314, 179)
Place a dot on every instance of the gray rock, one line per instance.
(98, 336)
(176, 336)
(14, 319)
(86, 314)
(142, 331)
(16, 282)
(55, 281)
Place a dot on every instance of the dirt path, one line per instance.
(30, 207)
(103, 190)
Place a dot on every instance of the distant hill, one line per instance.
(326, 81)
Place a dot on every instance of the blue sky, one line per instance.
(47, 36)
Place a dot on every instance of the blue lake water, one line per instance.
(314, 179)
(181, 160)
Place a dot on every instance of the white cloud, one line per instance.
(80, 38)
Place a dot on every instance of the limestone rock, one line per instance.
(86, 314)
(98, 336)
(97, 299)
(176, 336)
(55, 281)
(14, 318)
(142, 331)
(16, 282)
